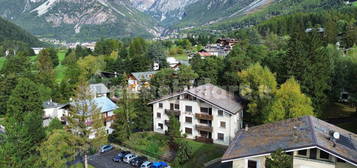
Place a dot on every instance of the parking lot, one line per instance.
(105, 160)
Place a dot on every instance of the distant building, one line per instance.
(137, 80)
(311, 142)
(60, 111)
(99, 90)
(53, 110)
(206, 113)
(37, 50)
(222, 48)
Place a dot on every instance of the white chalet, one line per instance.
(206, 113)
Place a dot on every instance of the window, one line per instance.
(188, 109)
(204, 110)
(220, 112)
(158, 115)
(220, 136)
(188, 119)
(161, 126)
(302, 152)
(313, 153)
(171, 106)
(161, 105)
(223, 124)
(324, 155)
(177, 106)
(188, 131)
(252, 164)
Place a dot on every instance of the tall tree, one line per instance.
(86, 123)
(186, 76)
(137, 47)
(23, 123)
(57, 149)
(257, 84)
(288, 102)
(125, 116)
(144, 122)
(45, 68)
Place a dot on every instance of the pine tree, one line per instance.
(86, 123)
(45, 68)
(125, 116)
(23, 124)
(279, 159)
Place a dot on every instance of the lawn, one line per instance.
(60, 69)
(182, 57)
(156, 145)
(341, 115)
(2, 61)
(354, 4)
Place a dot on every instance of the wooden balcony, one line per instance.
(203, 139)
(204, 116)
(173, 112)
(204, 128)
(110, 118)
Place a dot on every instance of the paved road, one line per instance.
(105, 160)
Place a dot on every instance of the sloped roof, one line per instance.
(143, 75)
(292, 134)
(102, 103)
(105, 104)
(51, 104)
(99, 88)
(213, 95)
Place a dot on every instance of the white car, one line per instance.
(146, 164)
(127, 158)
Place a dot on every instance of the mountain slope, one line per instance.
(10, 31)
(78, 19)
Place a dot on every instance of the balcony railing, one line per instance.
(110, 118)
(204, 116)
(173, 112)
(206, 128)
(204, 139)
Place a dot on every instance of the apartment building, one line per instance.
(206, 113)
(312, 143)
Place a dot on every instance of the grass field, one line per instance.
(183, 57)
(354, 4)
(345, 113)
(156, 146)
(60, 69)
(2, 61)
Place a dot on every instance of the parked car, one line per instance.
(106, 148)
(146, 164)
(136, 162)
(119, 157)
(127, 158)
(160, 165)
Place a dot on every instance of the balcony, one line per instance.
(204, 116)
(206, 128)
(110, 118)
(203, 139)
(173, 112)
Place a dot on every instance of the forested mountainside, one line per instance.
(78, 19)
(87, 20)
(281, 7)
(10, 31)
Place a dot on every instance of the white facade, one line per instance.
(300, 160)
(52, 113)
(198, 120)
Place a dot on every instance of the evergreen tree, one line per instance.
(125, 116)
(86, 123)
(23, 123)
(45, 68)
(57, 149)
(137, 47)
(144, 122)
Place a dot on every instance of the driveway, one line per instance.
(105, 160)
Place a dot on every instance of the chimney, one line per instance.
(246, 127)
